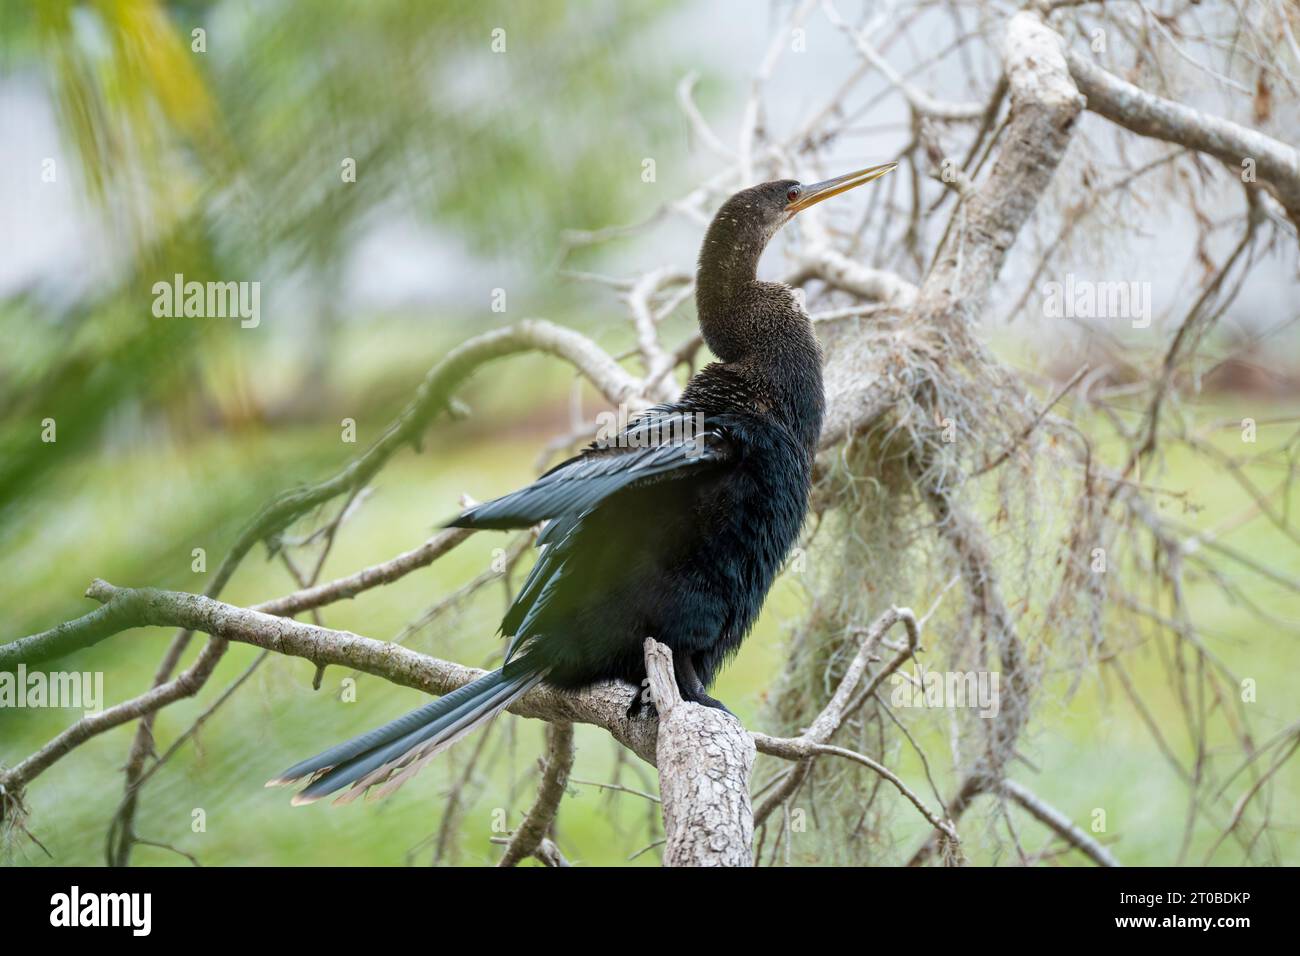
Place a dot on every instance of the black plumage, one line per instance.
(675, 529)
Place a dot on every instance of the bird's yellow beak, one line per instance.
(811, 195)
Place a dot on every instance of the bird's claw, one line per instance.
(706, 701)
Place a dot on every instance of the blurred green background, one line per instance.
(226, 165)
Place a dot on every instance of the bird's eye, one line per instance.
(792, 193)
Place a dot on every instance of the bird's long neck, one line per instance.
(757, 328)
(728, 270)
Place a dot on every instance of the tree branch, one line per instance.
(843, 703)
(604, 705)
(1277, 164)
(704, 757)
(527, 839)
(1055, 820)
(114, 617)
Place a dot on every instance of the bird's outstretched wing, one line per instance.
(660, 444)
(664, 444)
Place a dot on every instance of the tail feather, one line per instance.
(408, 742)
(389, 732)
(397, 772)
(376, 766)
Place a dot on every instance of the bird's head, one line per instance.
(734, 243)
(754, 215)
(747, 221)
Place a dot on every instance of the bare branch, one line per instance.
(704, 758)
(1057, 821)
(527, 839)
(839, 708)
(1276, 164)
(604, 705)
(686, 99)
(113, 617)
(920, 101)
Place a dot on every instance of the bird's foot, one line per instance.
(693, 692)
(698, 696)
(692, 687)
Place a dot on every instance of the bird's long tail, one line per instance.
(395, 752)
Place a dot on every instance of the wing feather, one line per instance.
(579, 484)
(567, 494)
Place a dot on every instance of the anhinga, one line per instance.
(675, 530)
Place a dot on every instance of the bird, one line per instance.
(674, 527)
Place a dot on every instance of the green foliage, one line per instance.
(227, 163)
